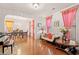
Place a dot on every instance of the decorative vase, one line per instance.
(64, 37)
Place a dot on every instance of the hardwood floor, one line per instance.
(31, 46)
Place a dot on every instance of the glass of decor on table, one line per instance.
(64, 31)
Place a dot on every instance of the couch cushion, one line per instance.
(46, 37)
(49, 35)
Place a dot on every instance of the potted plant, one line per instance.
(64, 31)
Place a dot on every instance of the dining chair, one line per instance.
(9, 42)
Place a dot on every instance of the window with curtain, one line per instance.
(48, 23)
(69, 16)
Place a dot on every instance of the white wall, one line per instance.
(73, 30)
(2, 17)
(77, 25)
(42, 21)
(4, 12)
(56, 29)
(21, 24)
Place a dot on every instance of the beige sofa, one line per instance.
(45, 37)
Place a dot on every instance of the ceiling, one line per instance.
(44, 8)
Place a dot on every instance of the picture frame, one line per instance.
(56, 23)
(39, 25)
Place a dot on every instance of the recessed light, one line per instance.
(35, 5)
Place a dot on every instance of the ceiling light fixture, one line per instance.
(36, 5)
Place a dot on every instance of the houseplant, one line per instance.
(64, 31)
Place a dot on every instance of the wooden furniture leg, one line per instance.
(11, 49)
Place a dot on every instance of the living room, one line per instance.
(35, 27)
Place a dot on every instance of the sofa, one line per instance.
(49, 37)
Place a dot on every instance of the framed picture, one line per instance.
(39, 25)
(56, 23)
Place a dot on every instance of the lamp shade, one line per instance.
(9, 25)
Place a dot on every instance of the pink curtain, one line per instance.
(48, 22)
(68, 18)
